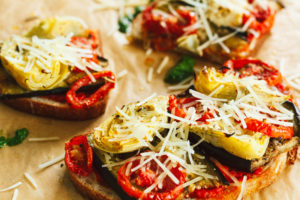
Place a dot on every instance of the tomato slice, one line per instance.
(206, 193)
(163, 32)
(79, 156)
(249, 67)
(90, 42)
(272, 130)
(175, 107)
(263, 20)
(78, 102)
(135, 182)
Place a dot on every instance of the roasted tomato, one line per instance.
(79, 156)
(248, 67)
(262, 20)
(272, 130)
(176, 108)
(135, 179)
(206, 193)
(164, 31)
(90, 42)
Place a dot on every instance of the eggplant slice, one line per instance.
(291, 106)
(276, 146)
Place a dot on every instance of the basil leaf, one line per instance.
(125, 22)
(182, 70)
(20, 136)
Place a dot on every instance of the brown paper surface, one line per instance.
(53, 182)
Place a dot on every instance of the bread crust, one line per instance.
(59, 110)
(86, 186)
(89, 187)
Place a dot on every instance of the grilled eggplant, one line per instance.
(275, 147)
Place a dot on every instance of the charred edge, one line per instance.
(291, 106)
(185, 93)
(110, 178)
(60, 90)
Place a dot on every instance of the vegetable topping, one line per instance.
(145, 182)
(79, 155)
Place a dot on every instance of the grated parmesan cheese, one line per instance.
(163, 64)
(31, 180)
(44, 139)
(11, 187)
(150, 74)
(52, 162)
(15, 195)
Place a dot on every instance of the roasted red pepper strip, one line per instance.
(133, 183)
(78, 103)
(249, 67)
(79, 156)
(271, 130)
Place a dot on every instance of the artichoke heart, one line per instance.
(131, 128)
(41, 76)
(57, 26)
(244, 146)
(209, 80)
(30, 60)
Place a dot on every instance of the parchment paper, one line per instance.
(53, 182)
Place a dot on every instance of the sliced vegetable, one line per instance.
(109, 177)
(78, 103)
(19, 137)
(272, 130)
(291, 106)
(249, 67)
(210, 80)
(164, 31)
(182, 70)
(206, 193)
(134, 182)
(79, 156)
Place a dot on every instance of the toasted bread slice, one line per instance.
(59, 110)
(89, 187)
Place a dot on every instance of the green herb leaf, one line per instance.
(20, 136)
(182, 70)
(125, 22)
(137, 11)
(2, 141)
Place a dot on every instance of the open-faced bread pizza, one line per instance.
(56, 69)
(214, 29)
(228, 136)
